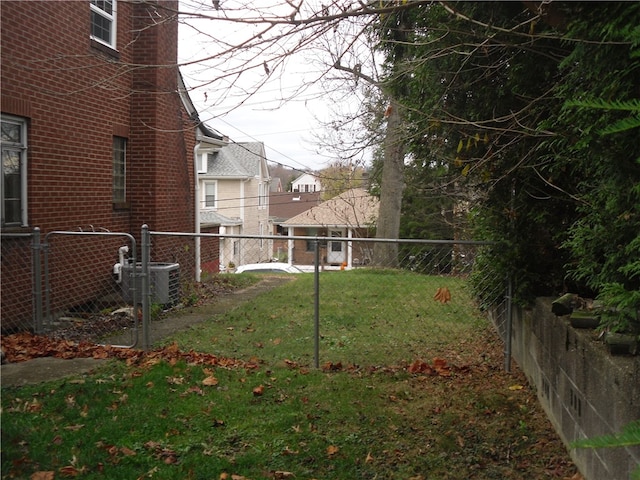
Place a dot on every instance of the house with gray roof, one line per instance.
(351, 215)
(234, 194)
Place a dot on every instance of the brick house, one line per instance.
(282, 207)
(95, 132)
(352, 214)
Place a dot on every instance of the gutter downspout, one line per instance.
(196, 184)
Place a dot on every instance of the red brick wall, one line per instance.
(72, 94)
(162, 162)
(76, 96)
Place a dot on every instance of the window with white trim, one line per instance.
(262, 195)
(103, 21)
(202, 159)
(119, 170)
(210, 192)
(14, 171)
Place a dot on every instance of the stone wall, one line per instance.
(585, 391)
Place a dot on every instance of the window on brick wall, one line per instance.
(119, 170)
(14, 171)
(103, 21)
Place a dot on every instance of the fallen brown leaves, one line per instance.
(24, 346)
(443, 295)
(258, 391)
(439, 367)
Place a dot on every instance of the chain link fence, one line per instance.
(89, 286)
(18, 291)
(443, 258)
(96, 286)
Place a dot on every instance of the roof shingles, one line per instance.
(237, 160)
(354, 208)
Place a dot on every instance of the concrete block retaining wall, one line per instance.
(585, 391)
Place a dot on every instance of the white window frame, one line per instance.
(109, 17)
(205, 184)
(203, 160)
(262, 196)
(22, 148)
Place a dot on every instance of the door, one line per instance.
(336, 250)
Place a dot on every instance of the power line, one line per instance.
(256, 198)
(256, 140)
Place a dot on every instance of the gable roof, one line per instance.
(306, 174)
(237, 160)
(210, 217)
(353, 208)
(276, 185)
(203, 131)
(285, 205)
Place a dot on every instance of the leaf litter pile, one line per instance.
(173, 413)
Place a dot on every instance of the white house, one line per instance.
(307, 182)
(234, 185)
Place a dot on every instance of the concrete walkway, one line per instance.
(43, 369)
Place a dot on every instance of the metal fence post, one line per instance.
(37, 281)
(144, 277)
(47, 284)
(507, 335)
(316, 309)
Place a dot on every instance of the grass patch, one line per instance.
(175, 420)
(367, 317)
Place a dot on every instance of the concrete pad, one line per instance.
(45, 369)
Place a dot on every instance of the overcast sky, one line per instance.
(286, 130)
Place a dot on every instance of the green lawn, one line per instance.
(366, 318)
(365, 416)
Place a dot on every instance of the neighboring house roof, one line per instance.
(305, 174)
(210, 217)
(204, 132)
(237, 160)
(276, 184)
(353, 208)
(306, 179)
(285, 205)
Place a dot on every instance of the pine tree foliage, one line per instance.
(622, 125)
(525, 128)
(628, 437)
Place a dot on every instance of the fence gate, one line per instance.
(91, 292)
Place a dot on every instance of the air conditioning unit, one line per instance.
(164, 282)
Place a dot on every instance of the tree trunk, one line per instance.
(392, 185)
